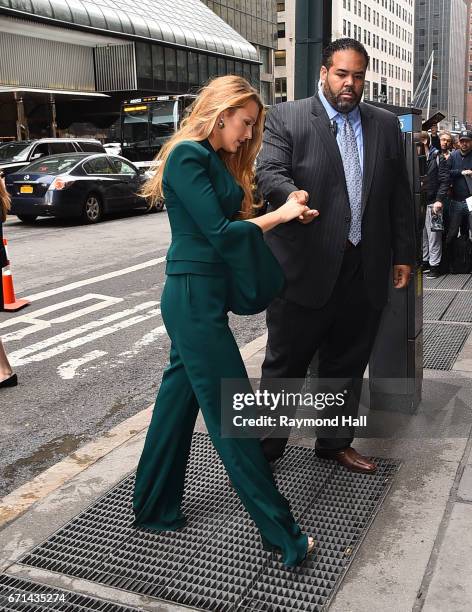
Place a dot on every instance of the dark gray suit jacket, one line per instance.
(300, 152)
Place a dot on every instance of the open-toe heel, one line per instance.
(311, 547)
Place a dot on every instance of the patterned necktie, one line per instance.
(353, 174)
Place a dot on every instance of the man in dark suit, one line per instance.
(346, 159)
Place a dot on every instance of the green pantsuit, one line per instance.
(214, 265)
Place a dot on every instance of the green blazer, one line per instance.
(202, 198)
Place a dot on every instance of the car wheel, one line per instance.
(27, 218)
(158, 207)
(93, 209)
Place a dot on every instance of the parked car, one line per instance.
(17, 154)
(112, 147)
(75, 185)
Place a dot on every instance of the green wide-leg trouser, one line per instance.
(204, 351)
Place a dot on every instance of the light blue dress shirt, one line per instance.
(354, 119)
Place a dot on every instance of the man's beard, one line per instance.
(342, 106)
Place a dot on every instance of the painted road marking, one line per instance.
(96, 279)
(64, 342)
(33, 322)
(68, 370)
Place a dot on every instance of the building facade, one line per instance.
(256, 21)
(384, 27)
(441, 26)
(76, 61)
(285, 54)
(468, 69)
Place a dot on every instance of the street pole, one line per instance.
(52, 108)
(313, 22)
(430, 85)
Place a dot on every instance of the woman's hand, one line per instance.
(292, 209)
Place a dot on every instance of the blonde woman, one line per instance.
(7, 378)
(214, 264)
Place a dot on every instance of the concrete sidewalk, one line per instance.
(415, 555)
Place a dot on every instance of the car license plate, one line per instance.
(26, 189)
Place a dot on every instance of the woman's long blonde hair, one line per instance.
(224, 93)
(4, 201)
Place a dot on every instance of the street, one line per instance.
(90, 349)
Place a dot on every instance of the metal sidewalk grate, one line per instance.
(461, 308)
(216, 562)
(453, 281)
(435, 303)
(442, 343)
(26, 596)
(432, 283)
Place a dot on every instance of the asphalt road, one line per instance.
(91, 348)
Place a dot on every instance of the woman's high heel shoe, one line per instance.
(11, 381)
(311, 547)
(309, 551)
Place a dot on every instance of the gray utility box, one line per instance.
(396, 363)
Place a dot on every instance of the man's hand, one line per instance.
(437, 207)
(466, 172)
(401, 276)
(301, 197)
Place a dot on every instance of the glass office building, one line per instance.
(441, 26)
(256, 21)
(119, 49)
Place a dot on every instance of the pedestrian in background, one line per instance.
(446, 144)
(435, 140)
(437, 185)
(460, 174)
(7, 378)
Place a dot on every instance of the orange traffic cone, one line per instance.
(10, 303)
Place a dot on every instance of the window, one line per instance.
(92, 147)
(280, 90)
(158, 67)
(212, 70)
(40, 150)
(281, 30)
(98, 165)
(264, 56)
(203, 68)
(122, 167)
(367, 90)
(54, 165)
(171, 69)
(280, 7)
(266, 92)
(280, 58)
(375, 92)
(61, 147)
(193, 68)
(182, 70)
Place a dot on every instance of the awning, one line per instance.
(184, 23)
(57, 92)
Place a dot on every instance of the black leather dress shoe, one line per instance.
(12, 381)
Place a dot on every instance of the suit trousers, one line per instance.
(204, 351)
(432, 241)
(342, 333)
(459, 218)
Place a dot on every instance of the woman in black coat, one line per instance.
(7, 378)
